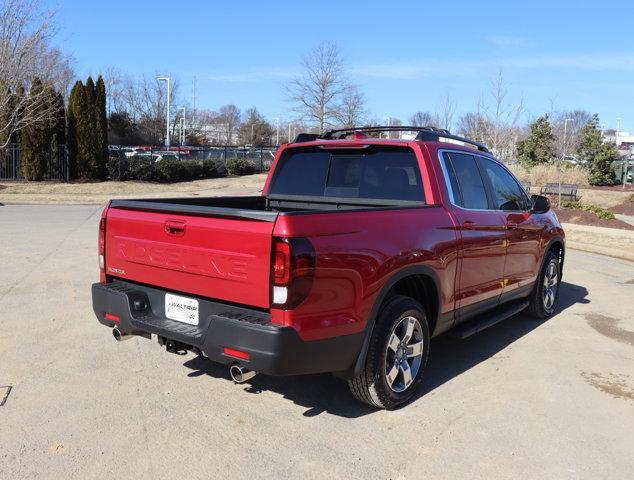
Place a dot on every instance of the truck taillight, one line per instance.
(101, 245)
(282, 263)
(292, 272)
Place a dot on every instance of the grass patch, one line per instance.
(598, 211)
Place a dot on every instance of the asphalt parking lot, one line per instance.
(523, 399)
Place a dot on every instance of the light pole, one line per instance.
(277, 134)
(183, 126)
(626, 163)
(563, 157)
(252, 125)
(167, 123)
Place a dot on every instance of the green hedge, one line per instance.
(240, 166)
(167, 170)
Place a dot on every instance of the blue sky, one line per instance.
(405, 56)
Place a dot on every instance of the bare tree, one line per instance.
(145, 100)
(352, 108)
(255, 130)
(317, 94)
(229, 116)
(114, 80)
(474, 125)
(502, 118)
(447, 111)
(25, 53)
(577, 120)
(424, 119)
(394, 122)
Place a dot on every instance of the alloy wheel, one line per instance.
(551, 284)
(404, 353)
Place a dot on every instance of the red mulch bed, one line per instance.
(581, 217)
(625, 208)
(614, 188)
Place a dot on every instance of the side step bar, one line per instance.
(488, 319)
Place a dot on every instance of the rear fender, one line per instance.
(405, 272)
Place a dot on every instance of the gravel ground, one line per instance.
(523, 399)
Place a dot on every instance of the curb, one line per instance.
(609, 252)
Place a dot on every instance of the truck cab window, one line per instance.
(465, 180)
(507, 194)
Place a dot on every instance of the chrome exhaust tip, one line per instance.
(119, 336)
(240, 374)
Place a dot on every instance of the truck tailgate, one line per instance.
(213, 256)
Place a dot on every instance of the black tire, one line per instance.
(372, 385)
(538, 307)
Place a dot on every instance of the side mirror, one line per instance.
(541, 204)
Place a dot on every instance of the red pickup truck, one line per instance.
(359, 250)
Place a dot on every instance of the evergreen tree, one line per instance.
(72, 116)
(57, 127)
(58, 119)
(80, 133)
(7, 100)
(590, 141)
(539, 147)
(91, 136)
(598, 156)
(36, 137)
(601, 169)
(8, 114)
(122, 130)
(101, 129)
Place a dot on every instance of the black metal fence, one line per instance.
(56, 161)
(262, 157)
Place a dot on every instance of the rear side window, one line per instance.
(507, 194)
(373, 173)
(466, 183)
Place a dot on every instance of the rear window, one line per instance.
(374, 173)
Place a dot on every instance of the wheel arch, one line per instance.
(419, 282)
(557, 245)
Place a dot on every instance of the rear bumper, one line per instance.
(273, 349)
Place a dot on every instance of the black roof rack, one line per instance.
(426, 134)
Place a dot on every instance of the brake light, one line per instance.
(101, 245)
(282, 263)
(293, 268)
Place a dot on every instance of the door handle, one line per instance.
(468, 225)
(175, 227)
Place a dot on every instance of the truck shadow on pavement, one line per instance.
(448, 359)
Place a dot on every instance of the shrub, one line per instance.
(169, 170)
(212, 169)
(142, 169)
(542, 174)
(598, 211)
(166, 170)
(239, 166)
(119, 169)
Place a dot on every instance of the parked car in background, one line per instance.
(358, 251)
(115, 153)
(128, 152)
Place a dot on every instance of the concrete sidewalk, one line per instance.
(613, 242)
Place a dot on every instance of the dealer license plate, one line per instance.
(181, 309)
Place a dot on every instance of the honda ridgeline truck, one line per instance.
(358, 251)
